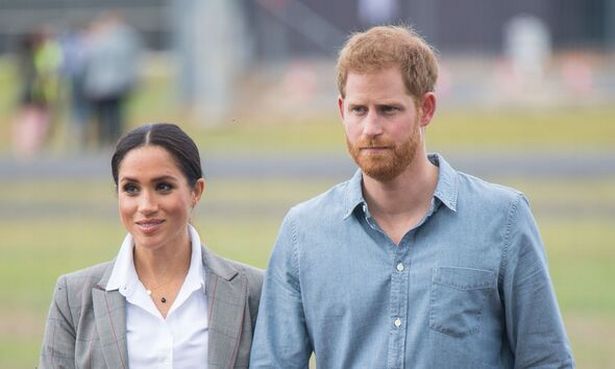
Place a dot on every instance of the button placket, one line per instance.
(399, 304)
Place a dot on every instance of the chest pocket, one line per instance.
(457, 299)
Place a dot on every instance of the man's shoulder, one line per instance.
(482, 191)
(331, 201)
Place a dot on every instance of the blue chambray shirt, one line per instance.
(468, 287)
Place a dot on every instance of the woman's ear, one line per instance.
(197, 191)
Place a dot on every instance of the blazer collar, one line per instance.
(217, 265)
(110, 316)
(227, 305)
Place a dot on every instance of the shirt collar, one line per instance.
(446, 188)
(354, 193)
(196, 275)
(124, 275)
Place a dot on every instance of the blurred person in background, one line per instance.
(74, 43)
(165, 298)
(111, 73)
(410, 263)
(39, 58)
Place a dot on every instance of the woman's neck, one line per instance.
(162, 263)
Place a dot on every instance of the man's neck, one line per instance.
(400, 204)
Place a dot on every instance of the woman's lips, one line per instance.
(149, 226)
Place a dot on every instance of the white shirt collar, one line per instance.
(124, 275)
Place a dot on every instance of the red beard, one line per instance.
(386, 164)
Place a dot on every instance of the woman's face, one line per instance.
(155, 199)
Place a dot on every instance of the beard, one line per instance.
(390, 163)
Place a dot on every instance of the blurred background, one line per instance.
(526, 98)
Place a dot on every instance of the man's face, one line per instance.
(381, 122)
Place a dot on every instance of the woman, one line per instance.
(164, 301)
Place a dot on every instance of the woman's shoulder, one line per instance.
(73, 291)
(227, 267)
(254, 280)
(86, 277)
(252, 273)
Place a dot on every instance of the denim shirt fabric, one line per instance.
(466, 288)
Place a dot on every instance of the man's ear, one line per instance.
(340, 105)
(427, 108)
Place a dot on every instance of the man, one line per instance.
(409, 264)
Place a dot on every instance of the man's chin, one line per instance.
(380, 172)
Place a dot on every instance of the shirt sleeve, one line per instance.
(535, 329)
(281, 338)
(58, 349)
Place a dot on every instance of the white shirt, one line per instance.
(177, 342)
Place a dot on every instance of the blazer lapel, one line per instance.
(110, 315)
(226, 297)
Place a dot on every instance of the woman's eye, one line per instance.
(130, 189)
(164, 187)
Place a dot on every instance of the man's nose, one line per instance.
(372, 124)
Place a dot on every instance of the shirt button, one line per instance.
(397, 322)
(400, 267)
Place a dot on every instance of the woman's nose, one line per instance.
(148, 203)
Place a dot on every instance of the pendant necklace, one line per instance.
(150, 290)
(162, 298)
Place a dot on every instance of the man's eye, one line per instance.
(358, 109)
(389, 109)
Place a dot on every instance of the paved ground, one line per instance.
(484, 164)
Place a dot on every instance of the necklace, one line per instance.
(168, 277)
(164, 283)
(162, 298)
(150, 291)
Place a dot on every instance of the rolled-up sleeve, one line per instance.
(281, 339)
(534, 325)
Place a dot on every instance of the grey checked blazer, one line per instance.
(86, 326)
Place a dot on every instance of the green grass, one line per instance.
(568, 129)
(581, 255)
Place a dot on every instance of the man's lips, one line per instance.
(375, 148)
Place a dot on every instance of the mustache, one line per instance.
(371, 142)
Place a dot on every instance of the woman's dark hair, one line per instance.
(168, 136)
